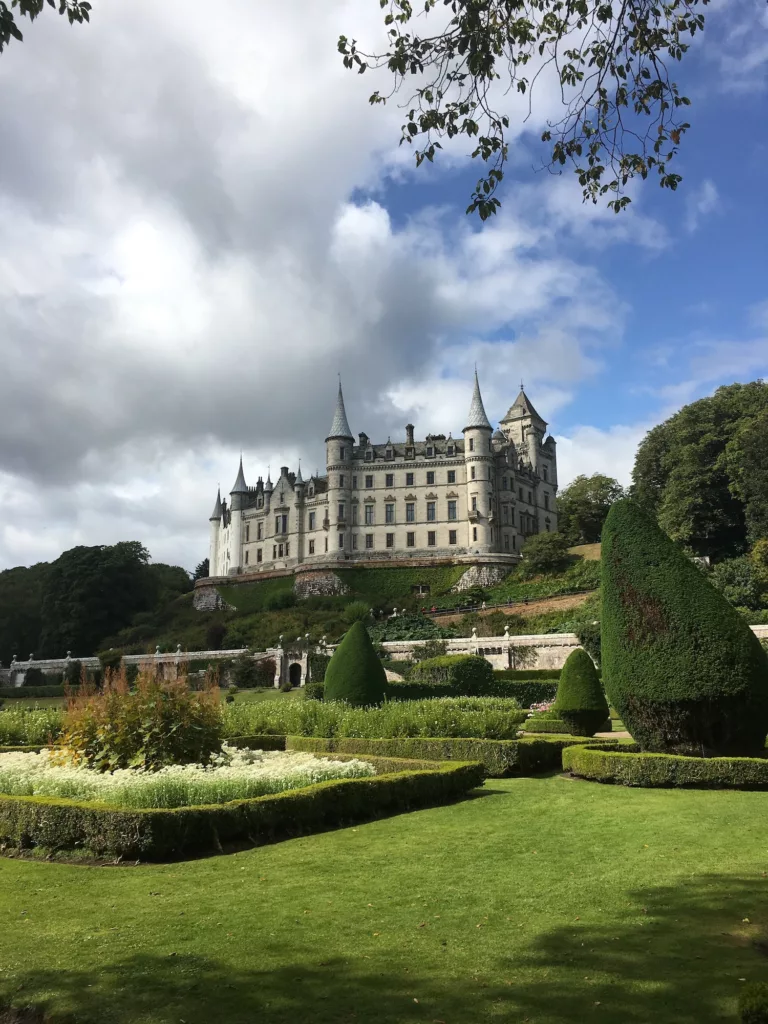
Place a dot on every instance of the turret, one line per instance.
(526, 428)
(237, 495)
(478, 458)
(215, 531)
(338, 463)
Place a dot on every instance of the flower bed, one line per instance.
(482, 717)
(165, 834)
(627, 766)
(236, 774)
(29, 726)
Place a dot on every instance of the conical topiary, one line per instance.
(681, 666)
(580, 700)
(355, 673)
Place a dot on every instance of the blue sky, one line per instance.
(204, 224)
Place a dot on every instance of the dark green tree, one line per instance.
(583, 505)
(544, 552)
(21, 598)
(580, 700)
(622, 115)
(681, 666)
(75, 10)
(355, 673)
(704, 472)
(201, 570)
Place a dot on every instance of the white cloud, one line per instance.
(700, 203)
(587, 450)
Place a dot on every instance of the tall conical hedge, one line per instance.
(681, 666)
(580, 700)
(355, 673)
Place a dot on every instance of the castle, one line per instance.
(472, 499)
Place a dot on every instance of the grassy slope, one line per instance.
(473, 912)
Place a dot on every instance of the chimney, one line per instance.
(409, 433)
(363, 439)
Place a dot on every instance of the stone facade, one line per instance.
(478, 495)
(480, 576)
(208, 599)
(319, 584)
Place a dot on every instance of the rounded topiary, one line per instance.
(355, 673)
(580, 700)
(683, 669)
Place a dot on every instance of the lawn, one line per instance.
(541, 900)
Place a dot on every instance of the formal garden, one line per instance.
(457, 846)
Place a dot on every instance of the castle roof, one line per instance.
(477, 417)
(340, 425)
(216, 514)
(522, 406)
(240, 485)
(299, 479)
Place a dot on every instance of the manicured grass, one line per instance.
(249, 696)
(31, 702)
(541, 900)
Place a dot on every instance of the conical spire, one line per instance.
(521, 407)
(299, 478)
(240, 485)
(477, 417)
(216, 514)
(268, 486)
(340, 426)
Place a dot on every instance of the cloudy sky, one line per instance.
(203, 222)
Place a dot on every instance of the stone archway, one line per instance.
(295, 673)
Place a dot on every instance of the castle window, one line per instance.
(410, 540)
(389, 453)
(311, 521)
(530, 498)
(452, 509)
(311, 547)
(506, 542)
(431, 538)
(354, 515)
(260, 502)
(520, 489)
(341, 540)
(259, 530)
(471, 444)
(279, 550)
(431, 476)
(258, 555)
(474, 533)
(247, 557)
(369, 515)
(430, 451)
(247, 533)
(369, 541)
(326, 543)
(472, 472)
(451, 536)
(354, 483)
(369, 481)
(451, 449)
(342, 452)
(545, 471)
(368, 455)
(354, 542)
(546, 501)
(274, 551)
(389, 513)
(409, 479)
(505, 512)
(474, 503)
(390, 480)
(504, 484)
(342, 511)
(513, 542)
(410, 512)
(430, 511)
(451, 476)
(287, 550)
(390, 540)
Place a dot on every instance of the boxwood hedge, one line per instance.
(627, 766)
(163, 834)
(557, 725)
(580, 699)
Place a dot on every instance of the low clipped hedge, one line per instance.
(464, 674)
(257, 742)
(526, 756)
(557, 725)
(627, 766)
(528, 673)
(33, 692)
(168, 834)
(753, 1004)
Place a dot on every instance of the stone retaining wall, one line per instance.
(319, 584)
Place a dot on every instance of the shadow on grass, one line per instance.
(678, 956)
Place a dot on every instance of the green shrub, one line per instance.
(21, 727)
(247, 673)
(155, 725)
(430, 649)
(354, 674)
(580, 700)
(318, 663)
(465, 674)
(544, 552)
(162, 834)
(356, 611)
(628, 766)
(753, 1003)
(34, 677)
(526, 692)
(73, 672)
(110, 660)
(314, 691)
(683, 669)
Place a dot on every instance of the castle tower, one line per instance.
(338, 463)
(523, 425)
(479, 462)
(215, 531)
(237, 497)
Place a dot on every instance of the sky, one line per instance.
(203, 223)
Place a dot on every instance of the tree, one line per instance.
(622, 114)
(583, 505)
(355, 673)
(544, 552)
(580, 700)
(201, 570)
(681, 666)
(703, 473)
(75, 10)
(739, 581)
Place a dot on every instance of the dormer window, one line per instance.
(450, 449)
(430, 451)
(368, 455)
